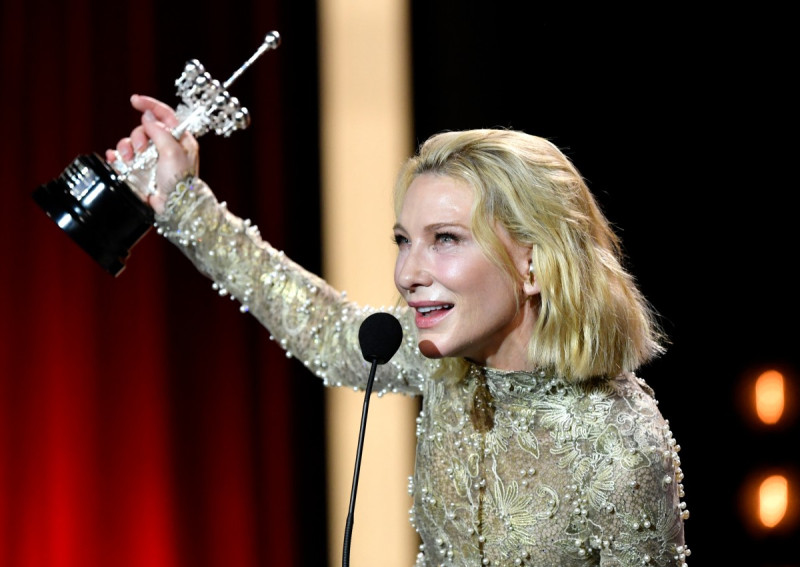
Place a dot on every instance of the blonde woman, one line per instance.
(536, 443)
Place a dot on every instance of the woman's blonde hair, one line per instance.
(593, 320)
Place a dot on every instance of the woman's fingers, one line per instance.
(155, 129)
(127, 147)
(162, 112)
(138, 139)
(124, 150)
(176, 158)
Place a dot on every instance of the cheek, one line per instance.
(462, 273)
(492, 284)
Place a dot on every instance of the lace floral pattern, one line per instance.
(512, 468)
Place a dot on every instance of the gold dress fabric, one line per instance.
(512, 468)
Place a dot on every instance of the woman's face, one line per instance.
(465, 304)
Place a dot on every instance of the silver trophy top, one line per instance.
(205, 105)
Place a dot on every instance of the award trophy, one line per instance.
(91, 200)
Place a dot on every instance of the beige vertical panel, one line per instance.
(365, 136)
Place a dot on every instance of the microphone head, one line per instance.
(380, 336)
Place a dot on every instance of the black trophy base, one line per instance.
(97, 210)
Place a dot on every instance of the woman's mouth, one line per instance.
(429, 315)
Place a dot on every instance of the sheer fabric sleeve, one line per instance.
(309, 319)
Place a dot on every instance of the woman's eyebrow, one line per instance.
(434, 226)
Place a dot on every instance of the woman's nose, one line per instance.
(412, 271)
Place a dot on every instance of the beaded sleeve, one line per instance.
(308, 318)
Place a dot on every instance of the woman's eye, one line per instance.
(446, 238)
(399, 239)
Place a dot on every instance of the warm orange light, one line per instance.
(770, 397)
(773, 500)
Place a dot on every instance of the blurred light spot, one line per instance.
(770, 397)
(773, 499)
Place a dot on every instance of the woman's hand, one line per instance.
(176, 158)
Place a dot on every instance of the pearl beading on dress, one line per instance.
(563, 474)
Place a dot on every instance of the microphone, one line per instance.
(380, 336)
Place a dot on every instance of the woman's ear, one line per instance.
(531, 284)
(523, 258)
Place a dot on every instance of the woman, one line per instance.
(536, 443)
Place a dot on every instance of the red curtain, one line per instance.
(144, 421)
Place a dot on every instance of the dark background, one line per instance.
(682, 121)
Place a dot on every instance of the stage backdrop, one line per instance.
(144, 421)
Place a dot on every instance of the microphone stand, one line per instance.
(348, 530)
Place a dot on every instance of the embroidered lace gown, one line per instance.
(512, 468)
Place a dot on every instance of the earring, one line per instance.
(530, 272)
